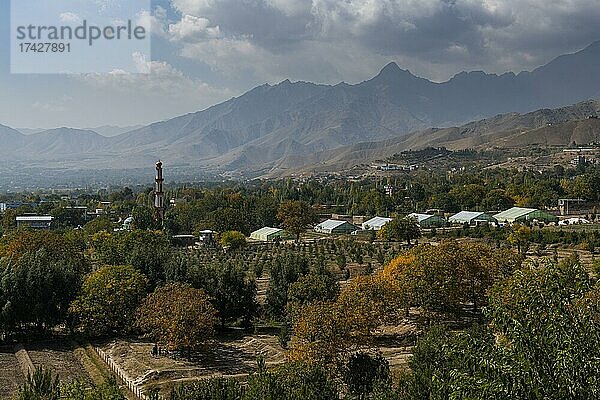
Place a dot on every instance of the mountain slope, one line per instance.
(63, 142)
(291, 124)
(547, 127)
(10, 141)
(256, 130)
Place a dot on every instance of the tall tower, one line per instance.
(159, 195)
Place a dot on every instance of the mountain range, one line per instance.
(274, 129)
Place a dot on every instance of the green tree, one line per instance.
(401, 228)
(36, 289)
(59, 248)
(68, 217)
(468, 196)
(296, 216)
(520, 236)
(291, 381)
(9, 220)
(232, 292)
(209, 389)
(98, 225)
(318, 285)
(497, 199)
(147, 251)
(233, 240)
(363, 371)
(108, 300)
(78, 390)
(284, 271)
(540, 343)
(143, 218)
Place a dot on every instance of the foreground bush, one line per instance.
(43, 384)
(289, 381)
(542, 342)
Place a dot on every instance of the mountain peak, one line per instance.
(393, 73)
(390, 68)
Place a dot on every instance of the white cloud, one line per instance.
(154, 22)
(156, 80)
(434, 38)
(194, 7)
(290, 7)
(69, 17)
(191, 28)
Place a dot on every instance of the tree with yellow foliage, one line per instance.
(324, 332)
(438, 280)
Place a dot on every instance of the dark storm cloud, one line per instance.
(491, 34)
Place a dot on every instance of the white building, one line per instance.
(35, 221)
(472, 218)
(375, 223)
(331, 226)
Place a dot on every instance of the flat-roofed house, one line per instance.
(334, 226)
(35, 221)
(375, 223)
(473, 218)
(575, 207)
(520, 214)
(428, 220)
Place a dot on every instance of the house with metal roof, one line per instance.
(332, 226)
(520, 214)
(267, 234)
(35, 221)
(473, 218)
(428, 220)
(375, 223)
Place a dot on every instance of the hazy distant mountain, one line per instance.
(281, 126)
(62, 142)
(106, 130)
(111, 130)
(30, 131)
(52, 144)
(10, 141)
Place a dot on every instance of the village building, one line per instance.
(472, 218)
(575, 207)
(333, 226)
(34, 221)
(207, 237)
(428, 221)
(519, 214)
(267, 234)
(375, 223)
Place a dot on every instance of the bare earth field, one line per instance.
(56, 354)
(231, 355)
(10, 373)
(60, 356)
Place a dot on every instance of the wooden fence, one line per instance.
(120, 373)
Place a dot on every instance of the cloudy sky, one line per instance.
(206, 51)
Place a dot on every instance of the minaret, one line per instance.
(159, 195)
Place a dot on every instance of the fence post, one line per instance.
(112, 365)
